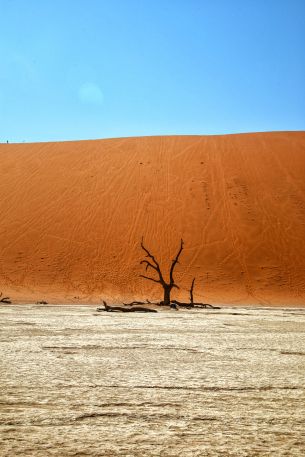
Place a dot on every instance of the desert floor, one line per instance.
(207, 383)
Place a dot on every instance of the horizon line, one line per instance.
(152, 136)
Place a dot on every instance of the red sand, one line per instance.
(73, 214)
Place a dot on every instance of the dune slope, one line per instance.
(73, 214)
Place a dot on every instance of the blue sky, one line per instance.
(80, 69)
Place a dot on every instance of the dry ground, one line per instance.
(208, 383)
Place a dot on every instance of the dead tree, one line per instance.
(154, 265)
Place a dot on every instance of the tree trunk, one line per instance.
(167, 293)
(191, 292)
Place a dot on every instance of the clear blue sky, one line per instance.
(80, 69)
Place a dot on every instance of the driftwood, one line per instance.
(123, 309)
(6, 300)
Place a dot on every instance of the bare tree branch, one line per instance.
(151, 279)
(148, 253)
(174, 263)
(148, 264)
(157, 267)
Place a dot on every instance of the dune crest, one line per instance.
(73, 215)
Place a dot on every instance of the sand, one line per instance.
(73, 214)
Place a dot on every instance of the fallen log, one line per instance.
(205, 305)
(182, 304)
(194, 305)
(123, 309)
(141, 309)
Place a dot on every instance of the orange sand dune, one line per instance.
(73, 214)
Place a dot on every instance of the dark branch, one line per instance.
(148, 264)
(174, 263)
(156, 267)
(191, 291)
(151, 279)
(149, 254)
